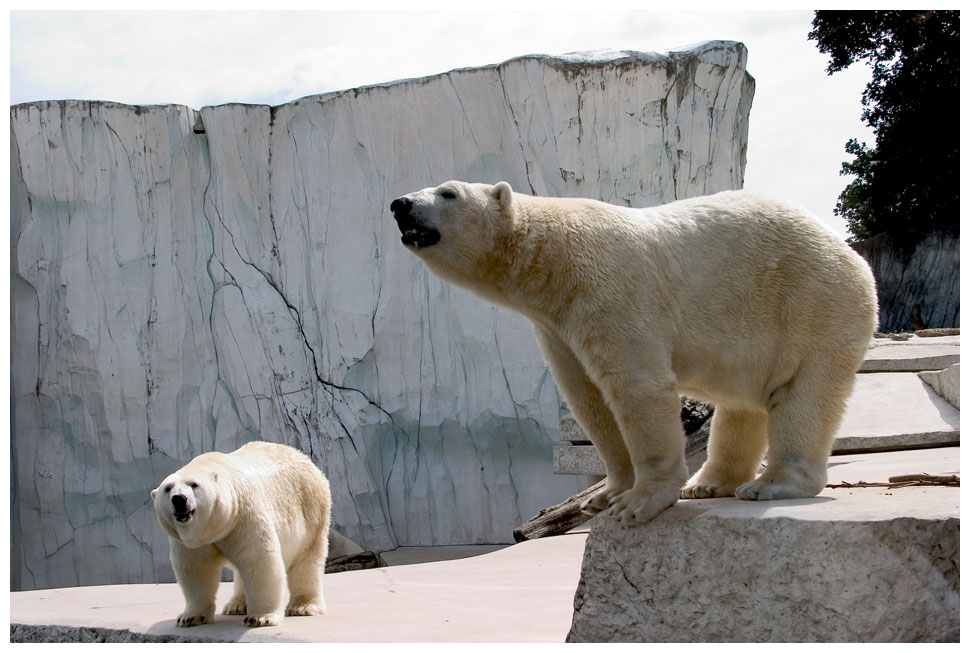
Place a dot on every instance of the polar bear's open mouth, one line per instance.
(183, 517)
(416, 235)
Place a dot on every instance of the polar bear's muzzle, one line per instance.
(181, 509)
(413, 233)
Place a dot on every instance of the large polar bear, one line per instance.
(738, 300)
(264, 511)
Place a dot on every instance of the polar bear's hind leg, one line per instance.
(802, 424)
(734, 451)
(305, 579)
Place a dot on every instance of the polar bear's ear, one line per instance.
(154, 492)
(503, 193)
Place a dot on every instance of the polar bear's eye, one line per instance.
(167, 489)
(193, 485)
(448, 194)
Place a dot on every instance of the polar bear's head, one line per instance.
(194, 505)
(452, 226)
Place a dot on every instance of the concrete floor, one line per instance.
(519, 593)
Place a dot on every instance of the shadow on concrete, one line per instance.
(225, 628)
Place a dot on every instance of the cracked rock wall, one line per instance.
(185, 281)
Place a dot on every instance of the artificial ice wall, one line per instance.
(185, 281)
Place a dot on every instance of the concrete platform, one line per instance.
(913, 355)
(895, 411)
(521, 593)
(850, 565)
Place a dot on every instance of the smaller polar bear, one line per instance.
(264, 511)
(742, 301)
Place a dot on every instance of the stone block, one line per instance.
(577, 459)
(583, 459)
(341, 546)
(946, 383)
(571, 431)
(851, 565)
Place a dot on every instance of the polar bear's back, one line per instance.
(760, 287)
(284, 477)
(765, 252)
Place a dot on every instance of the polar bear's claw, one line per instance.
(186, 620)
(640, 504)
(595, 504)
(601, 500)
(260, 620)
(234, 607)
(706, 492)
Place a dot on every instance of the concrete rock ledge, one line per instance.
(27, 634)
(860, 564)
(913, 355)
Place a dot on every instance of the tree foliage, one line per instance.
(908, 184)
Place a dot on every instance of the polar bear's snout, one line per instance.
(182, 507)
(413, 232)
(401, 207)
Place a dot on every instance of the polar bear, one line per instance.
(742, 301)
(264, 511)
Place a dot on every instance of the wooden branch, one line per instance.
(905, 480)
(557, 519)
(926, 479)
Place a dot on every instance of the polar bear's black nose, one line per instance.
(401, 207)
(179, 502)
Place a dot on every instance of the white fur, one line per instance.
(264, 511)
(739, 300)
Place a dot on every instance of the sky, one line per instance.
(800, 120)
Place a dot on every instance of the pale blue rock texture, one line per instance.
(185, 281)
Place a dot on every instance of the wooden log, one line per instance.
(566, 516)
(557, 519)
(353, 562)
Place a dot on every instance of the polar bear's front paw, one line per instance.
(185, 619)
(305, 608)
(641, 503)
(600, 500)
(707, 491)
(265, 619)
(235, 606)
